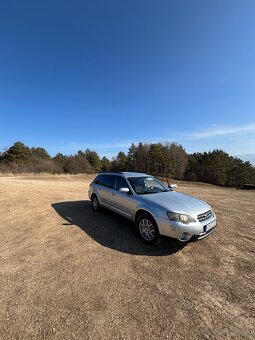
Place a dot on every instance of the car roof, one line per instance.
(124, 173)
(134, 174)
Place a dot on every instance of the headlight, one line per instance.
(186, 219)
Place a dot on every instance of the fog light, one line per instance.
(184, 237)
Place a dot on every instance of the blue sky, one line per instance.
(103, 74)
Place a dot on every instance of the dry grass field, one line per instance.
(69, 273)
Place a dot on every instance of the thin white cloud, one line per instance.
(211, 132)
(105, 146)
(187, 138)
(221, 131)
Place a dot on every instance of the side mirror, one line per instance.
(172, 186)
(124, 190)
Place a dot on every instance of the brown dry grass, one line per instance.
(69, 273)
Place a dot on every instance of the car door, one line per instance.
(105, 189)
(121, 202)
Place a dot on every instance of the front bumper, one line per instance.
(204, 234)
(185, 232)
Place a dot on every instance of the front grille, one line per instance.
(204, 216)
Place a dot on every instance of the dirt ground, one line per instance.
(69, 273)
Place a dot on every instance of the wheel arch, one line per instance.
(93, 195)
(142, 211)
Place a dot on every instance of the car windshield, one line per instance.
(147, 185)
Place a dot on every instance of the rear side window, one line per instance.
(98, 179)
(121, 183)
(105, 180)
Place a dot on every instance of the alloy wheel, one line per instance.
(146, 229)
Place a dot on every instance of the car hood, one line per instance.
(178, 202)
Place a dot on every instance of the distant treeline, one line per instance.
(167, 160)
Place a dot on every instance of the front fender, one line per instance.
(150, 210)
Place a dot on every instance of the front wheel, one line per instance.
(95, 203)
(147, 229)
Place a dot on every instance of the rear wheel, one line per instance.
(95, 203)
(147, 229)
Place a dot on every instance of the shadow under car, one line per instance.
(112, 230)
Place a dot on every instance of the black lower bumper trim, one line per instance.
(203, 235)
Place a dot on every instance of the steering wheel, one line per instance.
(151, 187)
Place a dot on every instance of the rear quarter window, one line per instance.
(97, 180)
(105, 180)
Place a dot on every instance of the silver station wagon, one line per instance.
(156, 209)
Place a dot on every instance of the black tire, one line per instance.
(147, 229)
(95, 203)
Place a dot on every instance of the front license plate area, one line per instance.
(210, 225)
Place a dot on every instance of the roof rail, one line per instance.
(111, 172)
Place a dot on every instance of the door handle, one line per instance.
(113, 194)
